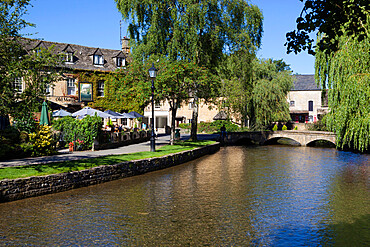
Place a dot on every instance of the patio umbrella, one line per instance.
(135, 114)
(91, 112)
(114, 114)
(127, 115)
(220, 116)
(61, 113)
(44, 119)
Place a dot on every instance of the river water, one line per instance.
(240, 196)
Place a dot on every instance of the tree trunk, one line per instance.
(194, 120)
(173, 122)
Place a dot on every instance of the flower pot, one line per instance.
(70, 149)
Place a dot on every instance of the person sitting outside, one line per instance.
(223, 133)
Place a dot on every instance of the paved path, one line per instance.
(65, 155)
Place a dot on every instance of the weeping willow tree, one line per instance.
(346, 73)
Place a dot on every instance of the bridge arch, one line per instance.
(328, 141)
(276, 139)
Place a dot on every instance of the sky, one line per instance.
(96, 23)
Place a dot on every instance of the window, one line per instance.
(101, 89)
(69, 57)
(71, 86)
(191, 105)
(124, 121)
(292, 103)
(121, 62)
(18, 85)
(310, 105)
(98, 60)
(157, 105)
(48, 89)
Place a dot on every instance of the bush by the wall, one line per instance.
(85, 130)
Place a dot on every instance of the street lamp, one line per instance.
(152, 75)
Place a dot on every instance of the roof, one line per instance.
(305, 83)
(82, 55)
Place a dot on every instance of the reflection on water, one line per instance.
(261, 196)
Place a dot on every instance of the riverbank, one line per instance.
(20, 188)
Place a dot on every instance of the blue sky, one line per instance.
(95, 23)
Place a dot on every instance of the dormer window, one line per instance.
(98, 59)
(121, 62)
(69, 57)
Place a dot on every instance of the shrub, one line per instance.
(85, 130)
(284, 127)
(275, 128)
(42, 141)
(185, 125)
(296, 128)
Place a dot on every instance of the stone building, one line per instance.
(70, 91)
(307, 102)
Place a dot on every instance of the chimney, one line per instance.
(126, 45)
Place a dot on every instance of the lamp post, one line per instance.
(152, 75)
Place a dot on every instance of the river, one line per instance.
(240, 196)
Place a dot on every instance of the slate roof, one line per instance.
(305, 83)
(82, 55)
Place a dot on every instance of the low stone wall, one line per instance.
(16, 189)
(119, 139)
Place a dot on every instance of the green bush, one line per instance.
(296, 128)
(275, 128)
(85, 130)
(284, 127)
(185, 125)
(42, 141)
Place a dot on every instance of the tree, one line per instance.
(331, 18)
(271, 86)
(346, 73)
(200, 32)
(255, 90)
(342, 64)
(179, 79)
(36, 68)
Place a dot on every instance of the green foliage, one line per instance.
(296, 128)
(127, 89)
(42, 141)
(332, 18)
(86, 129)
(275, 128)
(184, 125)
(318, 126)
(269, 102)
(347, 76)
(16, 63)
(186, 30)
(215, 126)
(284, 127)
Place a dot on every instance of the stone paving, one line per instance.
(64, 155)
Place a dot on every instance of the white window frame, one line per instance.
(71, 83)
(120, 62)
(69, 57)
(98, 60)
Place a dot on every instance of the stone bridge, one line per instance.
(304, 138)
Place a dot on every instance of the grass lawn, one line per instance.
(77, 165)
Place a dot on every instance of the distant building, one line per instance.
(307, 102)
